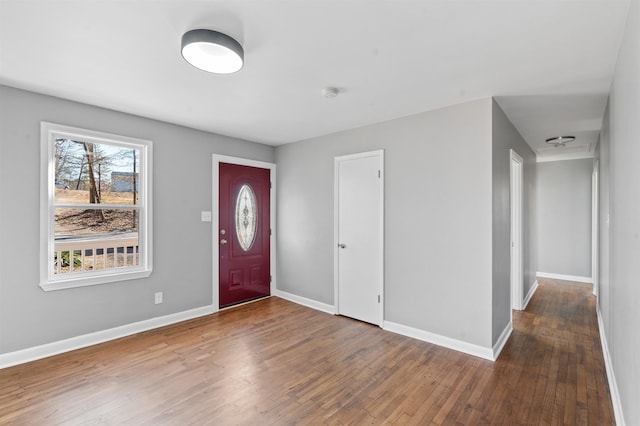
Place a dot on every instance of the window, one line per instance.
(95, 207)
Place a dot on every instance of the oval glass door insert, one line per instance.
(246, 215)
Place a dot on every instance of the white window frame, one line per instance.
(49, 132)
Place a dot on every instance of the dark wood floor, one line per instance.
(274, 362)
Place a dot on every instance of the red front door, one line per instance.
(244, 233)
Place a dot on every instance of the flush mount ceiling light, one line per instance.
(212, 51)
(560, 140)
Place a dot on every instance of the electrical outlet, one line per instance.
(158, 298)
(205, 216)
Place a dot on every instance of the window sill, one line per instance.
(89, 280)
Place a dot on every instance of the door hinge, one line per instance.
(270, 278)
(378, 298)
(270, 186)
(270, 232)
(378, 174)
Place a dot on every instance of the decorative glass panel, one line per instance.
(246, 217)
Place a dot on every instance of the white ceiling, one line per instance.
(548, 62)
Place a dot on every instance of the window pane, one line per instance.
(87, 173)
(246, 217)
(89, 240)
(94, 223)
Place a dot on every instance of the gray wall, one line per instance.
(437, 218)
(182, 244)
(564, 217)
(504, 138)
(620, 175)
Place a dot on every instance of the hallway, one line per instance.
(554, 360)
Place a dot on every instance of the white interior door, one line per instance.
(516, 231)
(359, 236)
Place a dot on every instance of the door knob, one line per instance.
(342, 245)
(223, 242)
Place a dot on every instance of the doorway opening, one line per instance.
(516, 175)
(595, 228)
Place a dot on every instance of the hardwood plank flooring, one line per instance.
(273, 362)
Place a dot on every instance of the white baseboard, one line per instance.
(527, 299)
(502, 340)
(414, 333)
(611, 377)
(310, 303)
(54, 348)
(436, 339)
(575, 278)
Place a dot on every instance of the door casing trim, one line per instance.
(517, 226)
(595, 226)
(215, 231)
(336, 233)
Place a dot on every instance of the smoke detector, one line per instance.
(330, 92)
